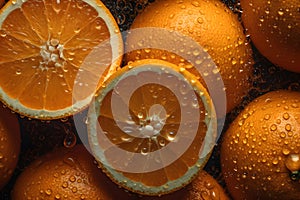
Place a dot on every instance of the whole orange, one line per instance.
(203, 187)
(210, 24)
(66, 174)
(10, 142)
(274, 29)
(260, 154)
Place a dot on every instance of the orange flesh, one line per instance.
(73, 29)
(139, 105)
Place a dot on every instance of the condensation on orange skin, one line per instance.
(77, 26)
(140, 103)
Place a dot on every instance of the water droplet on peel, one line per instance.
(293, 162)
(267, 117)
(72, 179)
(280, 12)
(273, 127)
(200, 20)
(48, 192)
(205, 195)
(288, 127)
(286, 116)
(70, 161)
(74, 189)
(65, 184)
(70, 139)
(195, 3)
(209, 185)
(2, 33)
(275, 161)
(282, 135)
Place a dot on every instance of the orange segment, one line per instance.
(12, 49)
(53, 54)
(21, 75)
(148, 124)
(17, 25)
(37, 18)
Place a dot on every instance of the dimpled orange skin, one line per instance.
(201, 188)
(10, 143)
(257, 146)
(66, 174)
(275, 30)
(214, 27)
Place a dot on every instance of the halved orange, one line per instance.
(152, 127)
(48, 47)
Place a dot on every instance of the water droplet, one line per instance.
(140, 115)
(209, 185)
(2, 33)
(162, 143)
(144, 151)
(200, 20)
(216, 71)
(273, 127)
(294, 105)
(195, 3)
(275, 161)
(267, 117)
(233, 61)
(184, 89)
(288, 127)
(72, 178)
(286, 116)
(74, 189)
(262, 19)
(205, 195)
(282, 135)
(18, 72)
(69, 161)
(65, 184)
(171, 135)
(280, 12)
(48, 192)
(70, 139)
(293, 162)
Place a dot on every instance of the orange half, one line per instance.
(48, 48)
(152, 127)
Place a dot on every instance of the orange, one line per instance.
(210, 24)
(202, 188)
(10, 143)
(260, 154)
(274, 29)
(152, 127)
(52, 52)
(66, 174)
